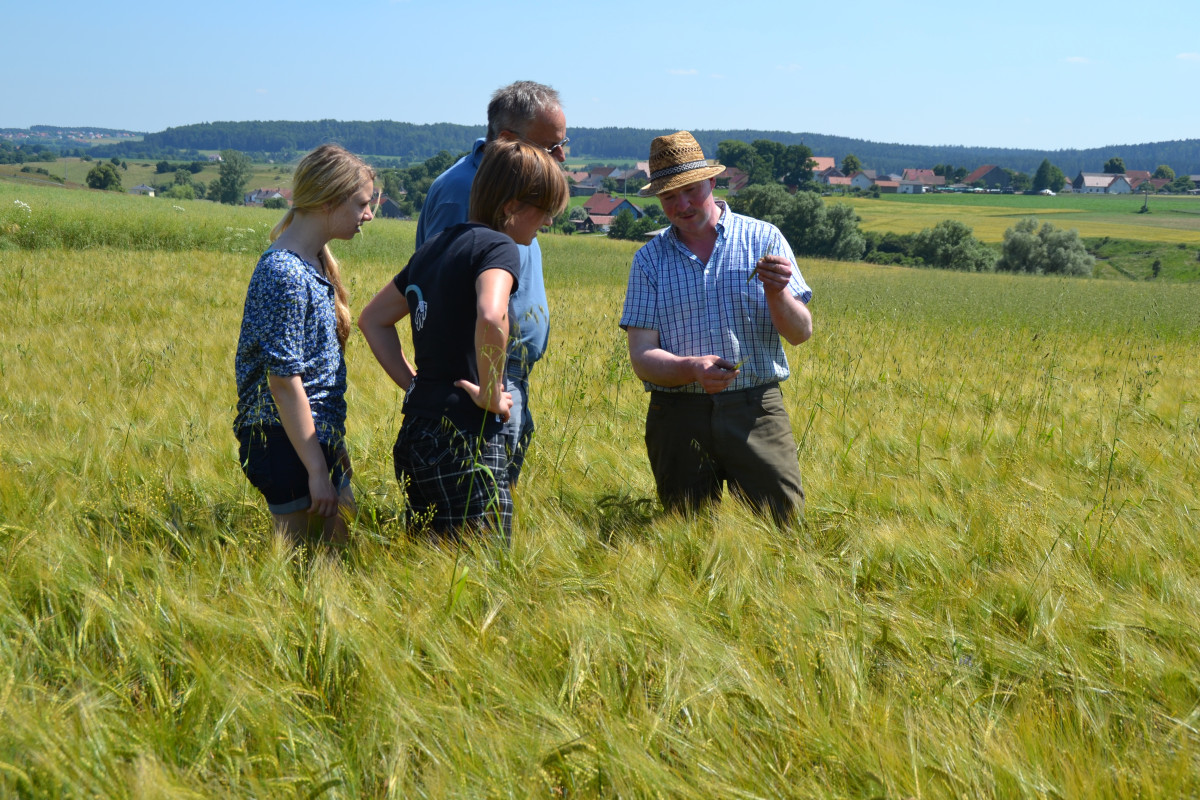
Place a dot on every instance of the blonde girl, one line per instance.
(290, 365)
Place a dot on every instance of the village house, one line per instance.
(260, 196)
(825, 176)
(142, 188)
(603, 204)
(1100, 183)
(991, 176)
(821, 163)
(390, 209)
(926, 177)
(863, 179)
(732, 179)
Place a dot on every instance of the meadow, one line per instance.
(994, 591)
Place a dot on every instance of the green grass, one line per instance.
(75, 170)
(993, 594)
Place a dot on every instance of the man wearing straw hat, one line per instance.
(532, 112)
(707, 302)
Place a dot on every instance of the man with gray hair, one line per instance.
(531, 112)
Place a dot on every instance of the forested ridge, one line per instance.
(408, 142)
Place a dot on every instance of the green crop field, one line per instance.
(1171, 220)
(995, 591)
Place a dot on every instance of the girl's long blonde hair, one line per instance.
(325, 178)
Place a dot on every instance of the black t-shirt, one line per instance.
(439, 285)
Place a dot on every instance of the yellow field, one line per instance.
(1092, 217)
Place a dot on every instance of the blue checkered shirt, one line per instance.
(712, 309)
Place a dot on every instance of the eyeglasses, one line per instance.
(566, 140)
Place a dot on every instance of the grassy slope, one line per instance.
(994, 593)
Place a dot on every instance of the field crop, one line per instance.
(1172, 220)
(994, 592)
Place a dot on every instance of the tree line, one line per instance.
(404, 143)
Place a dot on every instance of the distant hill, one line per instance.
(410, 142)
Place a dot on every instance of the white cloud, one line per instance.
(683, 72)
(260, 91)
(788, 67)
(1077, 60)
(1188, 56)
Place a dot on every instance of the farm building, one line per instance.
(991, 176)
(1100, 183)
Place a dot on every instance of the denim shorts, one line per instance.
(453, 481)
(273, 467)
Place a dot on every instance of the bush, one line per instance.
(1049, 250)
(951, 245)
(275, 202)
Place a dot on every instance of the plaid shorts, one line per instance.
(454, 482)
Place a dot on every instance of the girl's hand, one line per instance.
(499, 402)
(324, 496)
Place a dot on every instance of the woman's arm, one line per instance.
(296, 416)
(492, 289)
(378, 325)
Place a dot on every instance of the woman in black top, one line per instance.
(449, 454)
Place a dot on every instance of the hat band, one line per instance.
(678, 168)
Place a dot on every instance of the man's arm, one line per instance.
(655, 365)
(792, 318)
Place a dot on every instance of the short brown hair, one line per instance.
(516, 170)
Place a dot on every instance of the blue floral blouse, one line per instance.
(289, 327)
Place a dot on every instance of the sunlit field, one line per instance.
(995, 591)
(1171, 219)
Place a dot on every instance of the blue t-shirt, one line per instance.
(438, 284)
(289, 327)
(447, 204)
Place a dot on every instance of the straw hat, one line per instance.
(675, 161)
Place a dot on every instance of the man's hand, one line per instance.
(713, 373)
(774, 272)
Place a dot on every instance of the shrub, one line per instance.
(1049, 250)
(951, 245)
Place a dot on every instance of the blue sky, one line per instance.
(1046, 74)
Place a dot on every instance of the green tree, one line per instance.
(851, 164)
(234, 174)
(181, 191)
(1115, 165)
(1019, 180)
(276, 203)
(182, 177)
(951, 245)
(1048, 176)
(1182, 183)
(796, 166)
(104, 176)
(163, 167)
(1049, 250)
(621, 226)
(810, 227)
(735, 153)
(1164, 171)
